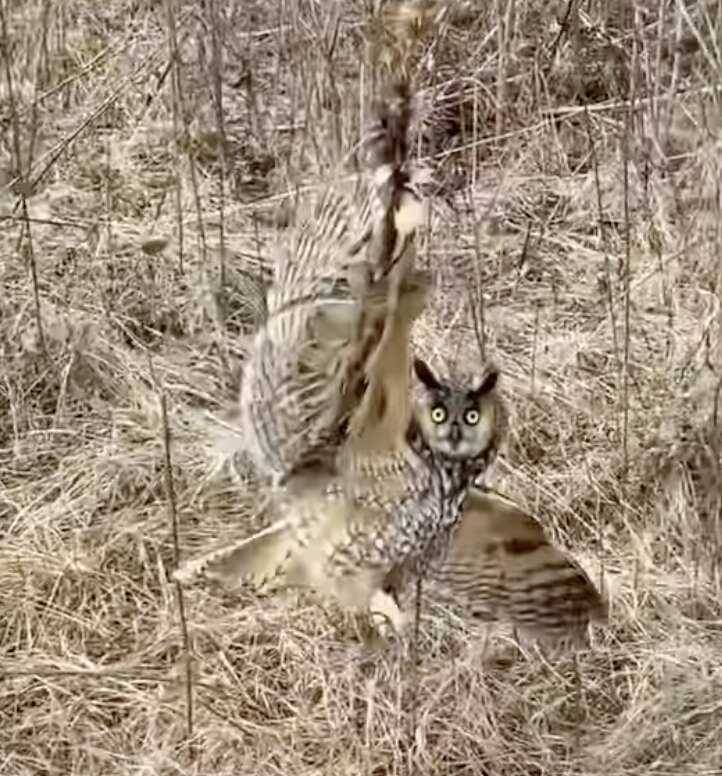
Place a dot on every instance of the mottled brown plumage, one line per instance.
(325, 405)
(501, 566)
(388, 507)
(375, 490)
(334, 345)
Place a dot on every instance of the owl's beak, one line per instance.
(455, 434)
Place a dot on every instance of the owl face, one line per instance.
(458, 422)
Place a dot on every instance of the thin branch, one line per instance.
(415, 662)
(179, 110)
(23, 185)
(626, 142)
(173, 512)
(214, 23)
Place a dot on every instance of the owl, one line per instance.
(387, 507)
(324, 405)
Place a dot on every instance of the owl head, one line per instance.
(459, 421)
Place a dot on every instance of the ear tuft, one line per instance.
(425, 375)
(487, 384)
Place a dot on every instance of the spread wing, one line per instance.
(332, 357)
(501, 566)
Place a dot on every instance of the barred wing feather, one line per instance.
(501, 566)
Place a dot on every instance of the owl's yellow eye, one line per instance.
(471, 417)
(438, 414)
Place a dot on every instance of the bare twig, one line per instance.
(626, 150)
(173, 513)
(214, 22)
(415, 662)
(176, 110)
(179, 101)
(23, 185)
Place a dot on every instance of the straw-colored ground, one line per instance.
(598, 284)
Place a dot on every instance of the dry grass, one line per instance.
(584, 175)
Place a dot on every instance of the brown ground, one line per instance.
(601, 283)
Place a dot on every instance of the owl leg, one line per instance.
(374, 613)
(385, 615)
(375, 626)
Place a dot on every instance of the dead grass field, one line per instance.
(580, 220)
